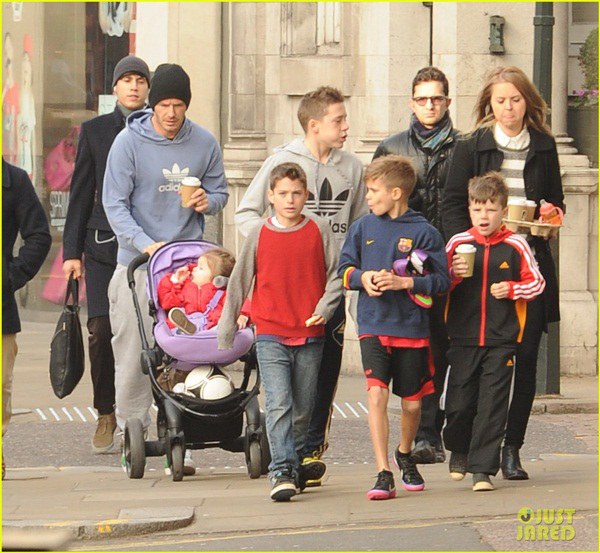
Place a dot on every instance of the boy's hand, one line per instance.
(367, 281)
(500, 290)
(181, 274)
(315, 320)
(387, 280)
(242, 322)
(459, 266)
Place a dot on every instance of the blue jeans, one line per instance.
(289, 376)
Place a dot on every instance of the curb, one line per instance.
(551, 408)
(540, 408)
(132, 522)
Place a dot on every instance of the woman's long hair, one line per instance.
(536, 107)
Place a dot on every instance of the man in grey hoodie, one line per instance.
(336, 193)
(148, 160)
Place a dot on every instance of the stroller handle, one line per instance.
(133, 265)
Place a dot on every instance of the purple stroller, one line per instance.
(185, 422)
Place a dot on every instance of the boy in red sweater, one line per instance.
(194, 294)
(485, 316)
(292, 260)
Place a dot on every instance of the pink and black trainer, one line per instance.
(384, 488)
(412, 480)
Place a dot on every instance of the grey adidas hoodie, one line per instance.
(143, 174)
(337, 191)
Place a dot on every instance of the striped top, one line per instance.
(514, 149)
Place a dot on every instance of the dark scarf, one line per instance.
(432, 139)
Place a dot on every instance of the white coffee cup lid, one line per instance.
(465, 248)
(530, 203)
(516, 201)
(190, 181)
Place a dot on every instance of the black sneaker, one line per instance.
(311, 470)
(412, 480)
(440, 453)
(283, 487)
(178, 317)
(458, 465)
(482, 483)
(423, 453)
(384, 488)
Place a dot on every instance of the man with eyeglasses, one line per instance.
(429, 142)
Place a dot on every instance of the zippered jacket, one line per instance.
(431, 168)
(473, 316)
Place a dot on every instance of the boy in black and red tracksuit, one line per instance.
(485, 316)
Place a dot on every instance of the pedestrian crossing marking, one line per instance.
(88, 414)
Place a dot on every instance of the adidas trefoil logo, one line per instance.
(174, 178)
(327, 205)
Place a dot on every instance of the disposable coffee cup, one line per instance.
(467, 252)
(530, 206)
(189, 185)
(517, 209)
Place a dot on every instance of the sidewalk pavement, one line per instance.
(95, 502)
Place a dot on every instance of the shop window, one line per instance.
(58, 60)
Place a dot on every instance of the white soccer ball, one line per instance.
(216, 386)
(179, 388)
(196, 378)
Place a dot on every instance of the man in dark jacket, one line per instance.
(22, 213)
(87, 231)
(429, 142)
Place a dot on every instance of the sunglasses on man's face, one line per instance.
(435, 100)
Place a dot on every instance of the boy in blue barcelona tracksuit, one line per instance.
(393, 320)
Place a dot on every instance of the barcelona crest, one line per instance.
(405, 245)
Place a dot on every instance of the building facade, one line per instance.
(250, 63)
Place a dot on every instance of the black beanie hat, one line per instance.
(131, 64)
(169, 81)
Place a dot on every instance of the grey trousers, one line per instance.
(133, 394)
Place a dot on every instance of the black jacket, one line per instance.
(22, 213)
(476, 155)
(431, 171)
(85, 200)
(474, 316)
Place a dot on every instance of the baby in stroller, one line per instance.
(233, 422)
(194, 294)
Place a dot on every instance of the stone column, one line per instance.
(244, 105)
(578, 267)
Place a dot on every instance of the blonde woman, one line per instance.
(511, 136)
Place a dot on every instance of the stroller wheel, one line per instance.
(254, 459)
(177, 461)
(134, 448)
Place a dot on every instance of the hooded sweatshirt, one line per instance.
(374, 243)
(336, 189)
(143, 174)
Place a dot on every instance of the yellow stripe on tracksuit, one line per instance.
(346, 277)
